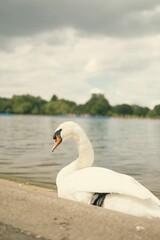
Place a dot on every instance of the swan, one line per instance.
(80, 181)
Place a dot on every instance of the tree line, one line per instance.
(97, 105)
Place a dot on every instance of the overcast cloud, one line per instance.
(73, 48)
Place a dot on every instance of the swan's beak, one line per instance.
(56, 143)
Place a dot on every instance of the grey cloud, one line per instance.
(113, 18)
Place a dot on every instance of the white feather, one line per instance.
(95, 179)
(79, 180)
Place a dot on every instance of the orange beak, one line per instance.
(56, 143)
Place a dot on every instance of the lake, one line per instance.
(130, 146)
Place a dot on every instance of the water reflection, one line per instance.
(129, 146)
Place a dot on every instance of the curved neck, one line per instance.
(85, 150)
(86, 154)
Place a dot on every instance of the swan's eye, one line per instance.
(54, 136)
(57, 138)
(57, 133)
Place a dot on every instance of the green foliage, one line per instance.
(26, 104)
(139, 111)
(122, 109)
(97, 105)
(54, 98)
(59, 107)
(155, 112)
(5, 105)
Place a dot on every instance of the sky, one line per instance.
(75, 48)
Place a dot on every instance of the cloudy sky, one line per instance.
(73, 48)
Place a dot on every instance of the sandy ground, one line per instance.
(30, 212)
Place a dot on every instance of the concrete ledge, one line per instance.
(39, 212)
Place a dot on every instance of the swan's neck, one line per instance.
(85, 154)
(85, 151)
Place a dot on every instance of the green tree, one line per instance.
(139, 111)
(27, 104)
(5, 105)
(96, 105)
(122, 109)
(54, 98)
(60, 107)
(80, 109)
(155, 112)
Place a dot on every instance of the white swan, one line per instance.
(80, 181)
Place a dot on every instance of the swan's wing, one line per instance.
(95, 179)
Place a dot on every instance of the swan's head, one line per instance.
(63, 132)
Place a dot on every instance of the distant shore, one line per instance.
(97, 105)
(84, 116)
(39, 214)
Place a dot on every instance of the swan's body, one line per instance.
(79, 180)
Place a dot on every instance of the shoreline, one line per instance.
(82, 116)
(28, 181)
(38, 212)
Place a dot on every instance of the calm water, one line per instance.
(130, 146)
